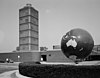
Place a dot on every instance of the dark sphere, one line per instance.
(78, 43)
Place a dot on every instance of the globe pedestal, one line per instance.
(59, 70)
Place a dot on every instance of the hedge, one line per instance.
(58, 71)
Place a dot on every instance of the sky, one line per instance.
(56, 18)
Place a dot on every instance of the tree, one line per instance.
(43, 48)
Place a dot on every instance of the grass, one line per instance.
(4, 67)
(2, 70)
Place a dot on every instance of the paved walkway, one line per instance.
(72, 63)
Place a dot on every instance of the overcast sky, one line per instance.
(56, 17)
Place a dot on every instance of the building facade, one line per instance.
(28, 28)
(20, 56)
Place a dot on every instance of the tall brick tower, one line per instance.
(28, 28)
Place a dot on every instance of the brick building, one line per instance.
(28, 28)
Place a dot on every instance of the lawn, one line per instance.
(4, 67)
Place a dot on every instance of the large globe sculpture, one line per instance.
(78, 43)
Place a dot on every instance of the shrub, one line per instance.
(58, 71)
